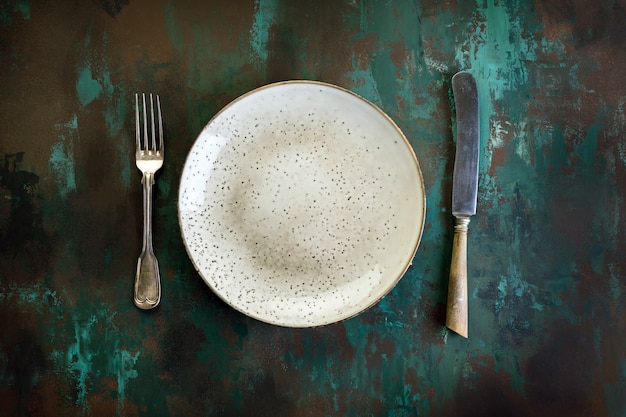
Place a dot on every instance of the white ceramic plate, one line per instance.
(301, 204)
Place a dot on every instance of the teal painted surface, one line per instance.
(547, 296)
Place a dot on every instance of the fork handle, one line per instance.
(147, 279)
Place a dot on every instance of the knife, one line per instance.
(464, 193)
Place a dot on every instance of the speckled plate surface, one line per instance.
(301, 204)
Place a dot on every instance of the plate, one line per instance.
(301, 204)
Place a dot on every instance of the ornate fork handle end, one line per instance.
(147, 282)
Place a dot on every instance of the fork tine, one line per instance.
(154, 148)
(160, 124)
(147, 140)
(145, 123)
(137, 128)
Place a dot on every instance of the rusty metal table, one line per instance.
(547, 294)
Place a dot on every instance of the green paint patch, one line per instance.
(264, 15)
(87, 87)
(94, 81)
(123, 367)
(10, 8)
(95, 357)
(497, 50)
(513, 290)
(35, 297)
(80, 358)
(363, 83)
(23, 8)
(61, 160)
(72, 124)
(173, 31)
(392, 320)
(116, 107)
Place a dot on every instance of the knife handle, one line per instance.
(456, 313)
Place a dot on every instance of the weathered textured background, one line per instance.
(547, 251)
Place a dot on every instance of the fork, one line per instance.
(149, 159)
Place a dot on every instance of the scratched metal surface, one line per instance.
(547, 288)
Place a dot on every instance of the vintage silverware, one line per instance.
(149, 159)
(464, 193)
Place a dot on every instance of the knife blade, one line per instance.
(464, 195)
